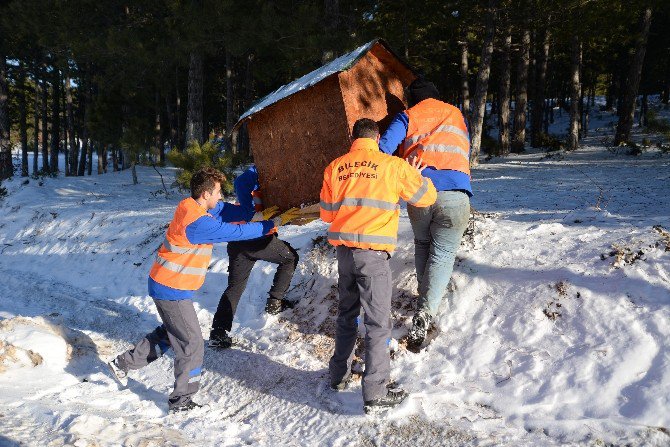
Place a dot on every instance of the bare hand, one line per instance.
(418, 164)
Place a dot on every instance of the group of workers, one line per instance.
(423, 158)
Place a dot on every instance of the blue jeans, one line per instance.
(437, 235)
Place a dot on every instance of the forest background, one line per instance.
(129, 81)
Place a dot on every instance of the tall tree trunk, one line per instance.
(611, 92)
(55, 122)
(6, 168)
(178, 111)
(635, 72)
(575, 91)
(133, 169)
(666, 82)
(504, 91)
(248, 82)
(465, 89)
(46, 129)
(169, 106)
(74, 148)
(89, 157)
(481, 89)
(622, 82)
(229, 95)
(331, 22)
(115, 160)
(84, 101)
(405, 30)
(644, 108)
(83, 156)
(23, 119)
(537, 112)
(64, 134)
(521, 104)
(194, 123)
(36, 126)
(101, 158)
(158, 134)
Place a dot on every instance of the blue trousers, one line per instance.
(438, 230)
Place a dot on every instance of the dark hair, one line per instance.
(365, 128)
(421, 89)
(205, 179)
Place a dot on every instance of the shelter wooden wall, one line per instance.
(293, 141)
(374, 87)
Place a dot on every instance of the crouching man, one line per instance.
(179, 270)
(242, 257)
(359, 198)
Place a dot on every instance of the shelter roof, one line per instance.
(342, 63)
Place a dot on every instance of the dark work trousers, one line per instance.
(181, 332)
(242, 256)
(364, 280)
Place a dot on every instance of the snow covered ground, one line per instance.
(556, 332)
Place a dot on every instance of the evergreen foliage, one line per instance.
(129, 61)
(197, 156)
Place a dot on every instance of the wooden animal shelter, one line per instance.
(297, 130)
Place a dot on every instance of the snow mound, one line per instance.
(12, 357)
(90, 430)
(31, 342)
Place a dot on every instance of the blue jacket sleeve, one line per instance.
(244, 184)
(232, 213)
(206, 230)
(395, 134)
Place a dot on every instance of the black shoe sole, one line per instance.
(183, 410)
(372, 409)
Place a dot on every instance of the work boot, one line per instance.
(420, 324)
(274, 306)
(392, 398)
(119, 371)
(219, 339)
(342, 384)
(185, 406)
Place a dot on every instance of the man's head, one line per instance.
(365, 128)
(206, 185)
(421, 89)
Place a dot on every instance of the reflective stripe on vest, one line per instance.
(443, 128)
(203, 251)
(420, 193)
(437, 133)
(177, 268)
(365, 238)
(350, 201)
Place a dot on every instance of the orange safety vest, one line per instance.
(360, 195)
(437, 133)
(180, 264)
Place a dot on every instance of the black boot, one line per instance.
(219, 339)
(392, 398)
(342, 384)
(185, 406)
(274, 306)
(417, 334)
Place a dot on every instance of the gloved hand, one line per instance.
(265, 214)
(270, 212)
(286, 216)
